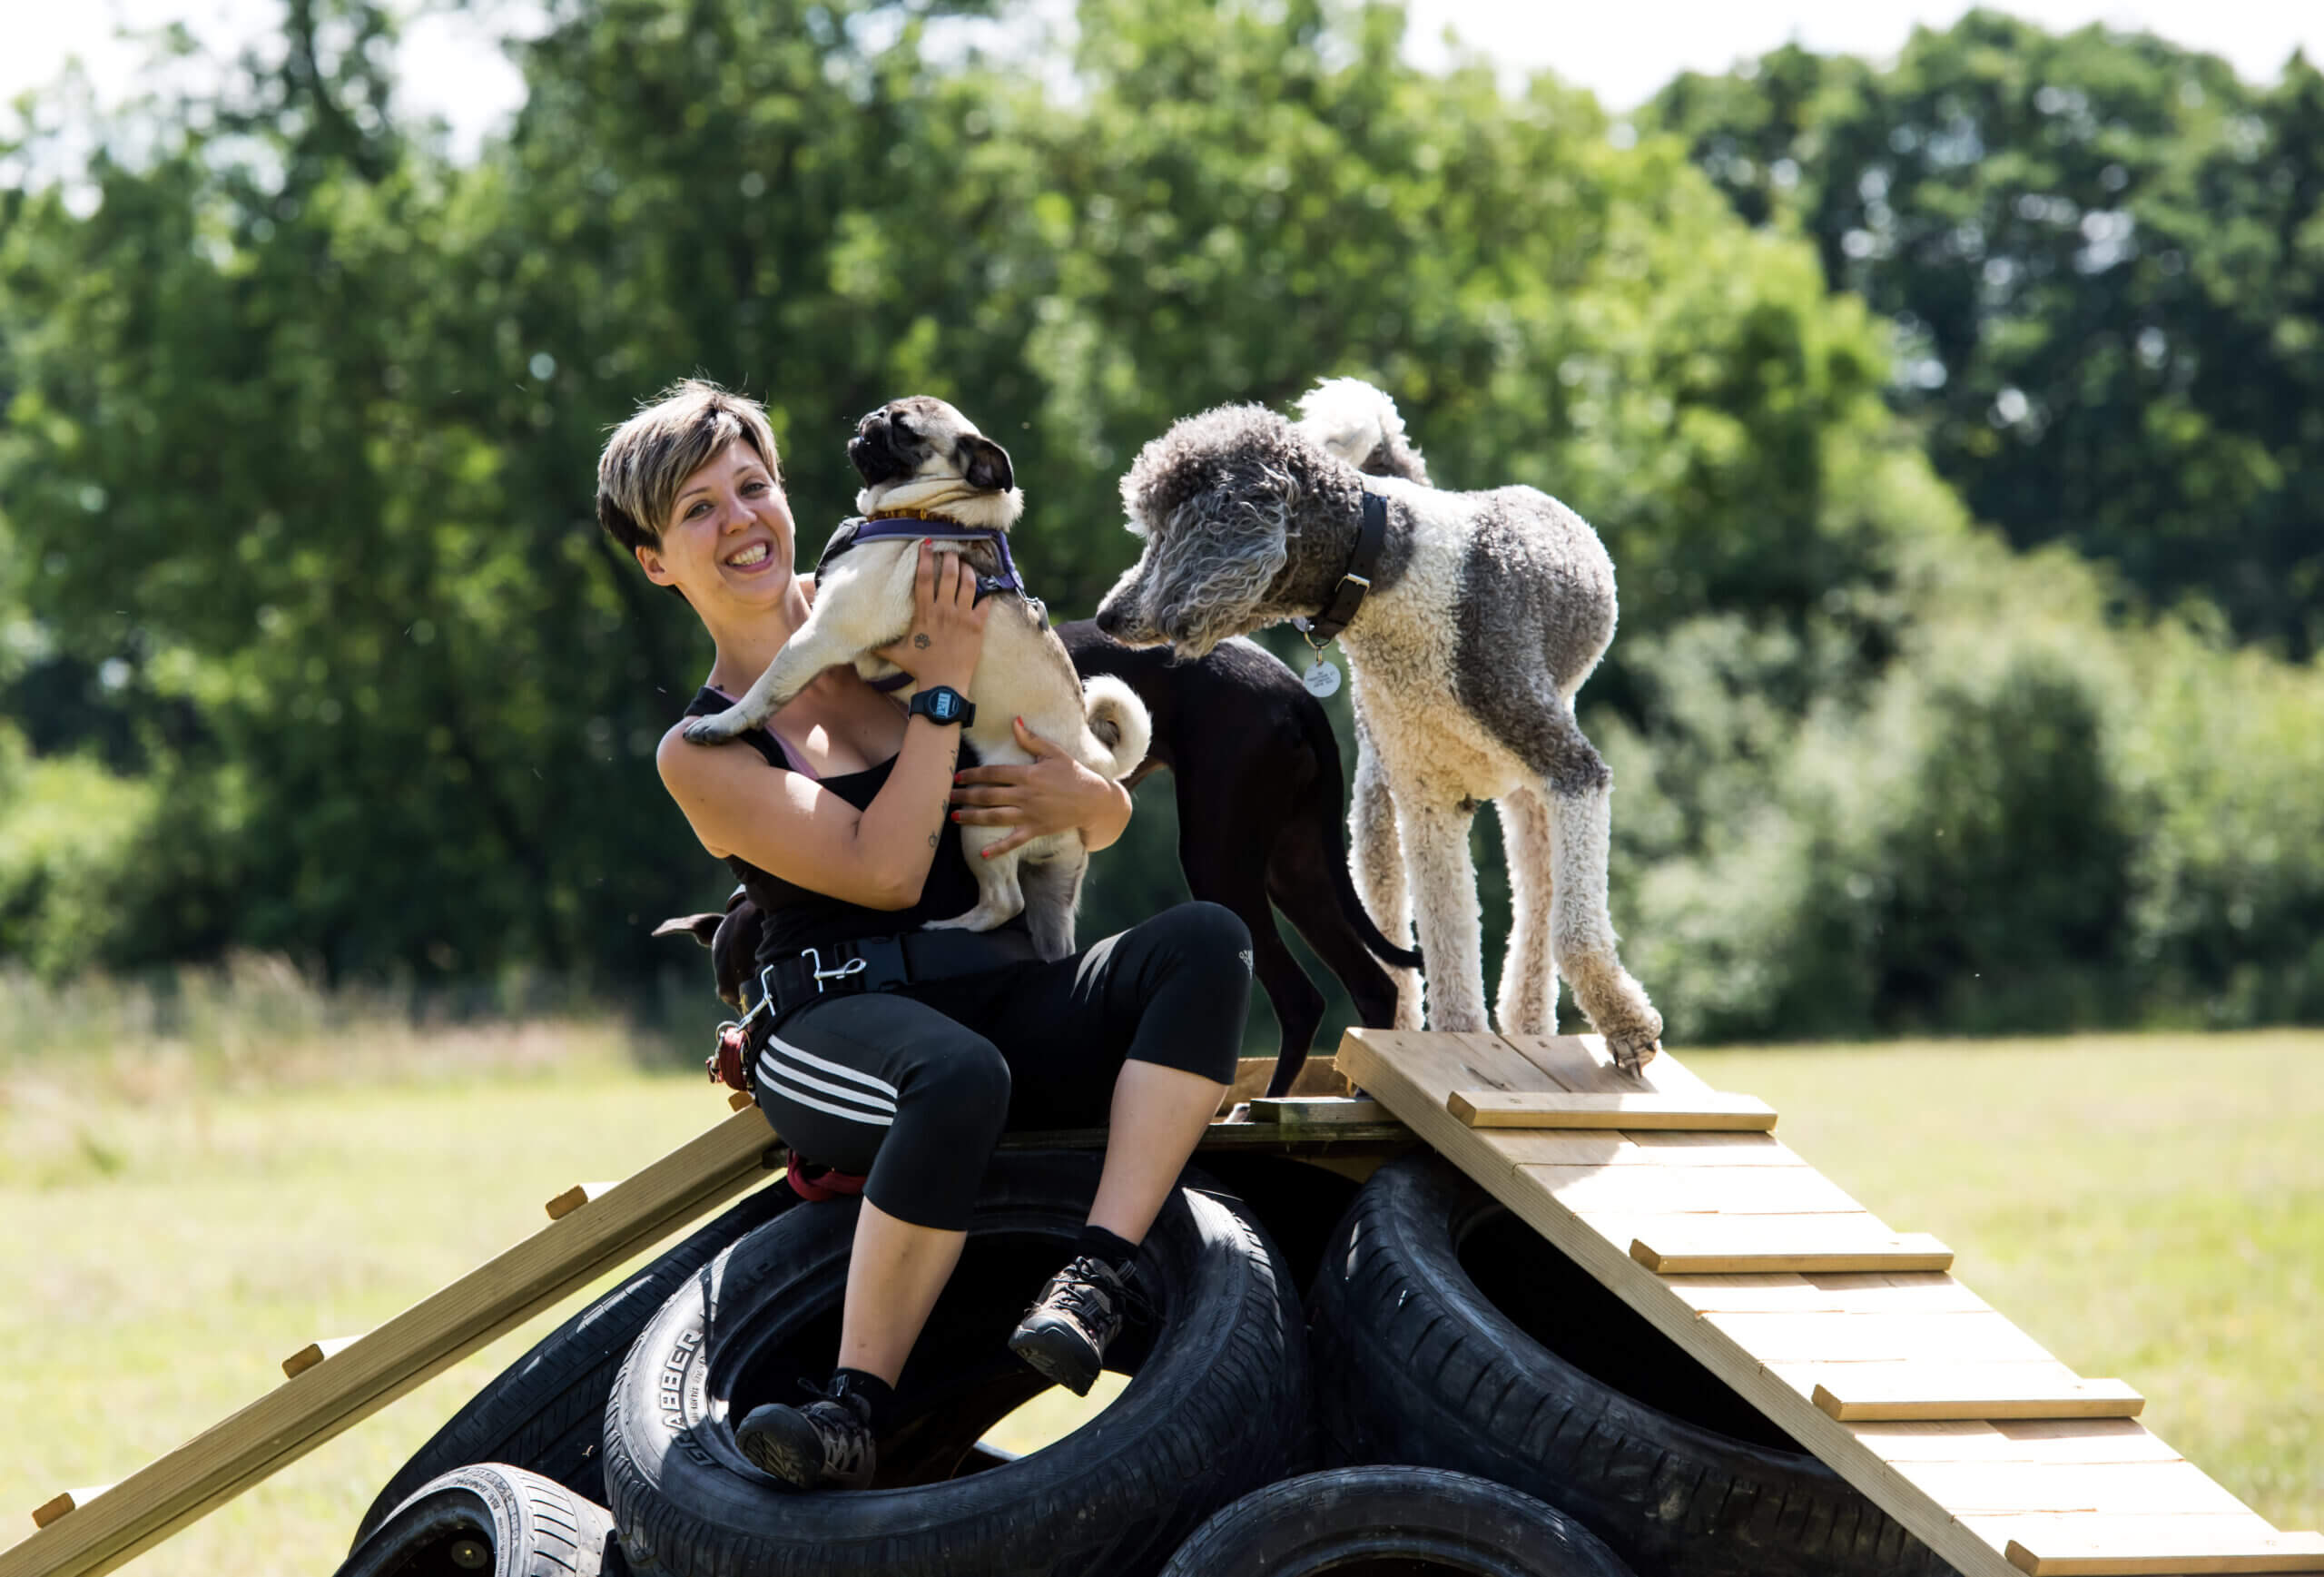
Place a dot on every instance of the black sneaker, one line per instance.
(825, 1444)
(1064, 1333)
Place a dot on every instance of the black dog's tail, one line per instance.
(1326, 746)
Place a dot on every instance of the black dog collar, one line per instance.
(1348, 595)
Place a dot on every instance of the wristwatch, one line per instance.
(942, 704)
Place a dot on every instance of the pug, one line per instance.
(921, 459)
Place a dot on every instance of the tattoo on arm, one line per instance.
(920, 641)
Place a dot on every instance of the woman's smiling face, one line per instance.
(729, 535)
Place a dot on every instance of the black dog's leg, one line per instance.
(1224, 856)
(1299, 879)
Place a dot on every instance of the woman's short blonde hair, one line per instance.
(652, 454)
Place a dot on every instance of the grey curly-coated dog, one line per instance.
(1485, 613)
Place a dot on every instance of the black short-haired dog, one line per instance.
(1262, 799)
(1261, 794)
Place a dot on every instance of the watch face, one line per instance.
(945, 705)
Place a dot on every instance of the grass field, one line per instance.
(2151, 1207)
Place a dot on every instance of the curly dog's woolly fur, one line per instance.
(1354, 422)
(1486, 613)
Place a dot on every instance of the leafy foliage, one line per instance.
(307, 626)
(2104, 256)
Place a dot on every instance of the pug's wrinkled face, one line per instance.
(923, 437)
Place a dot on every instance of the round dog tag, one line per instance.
(1322, 679)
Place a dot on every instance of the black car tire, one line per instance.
(1448, 1334)
(1424, 1517)
(489, 1519)
(1218, 1405)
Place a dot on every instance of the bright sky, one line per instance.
(1624, 50)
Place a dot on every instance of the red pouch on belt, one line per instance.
(816, 1184)
(727, 1065)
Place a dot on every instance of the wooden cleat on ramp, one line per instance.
(49, 1511)
(1983, 1391)
(1708, 1112)
(314, 1353)
(2160, 1547)
(1801, 1246)
(580, 1194)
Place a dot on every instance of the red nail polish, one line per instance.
(956, 815)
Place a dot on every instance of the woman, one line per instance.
(841, 824)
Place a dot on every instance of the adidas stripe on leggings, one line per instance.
(914, 1086)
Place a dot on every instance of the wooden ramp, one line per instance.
(1849, 1335)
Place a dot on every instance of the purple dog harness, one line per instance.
(897, 523)
(900, 523)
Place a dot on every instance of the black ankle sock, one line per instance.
(872, 1389)
(1118, 1254)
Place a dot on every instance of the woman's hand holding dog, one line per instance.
(1050, 794)
(946, 624)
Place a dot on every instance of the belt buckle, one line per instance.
(765, 1004)
(854, 966)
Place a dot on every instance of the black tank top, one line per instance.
(797, 917)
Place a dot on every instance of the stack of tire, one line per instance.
(1476, 1405)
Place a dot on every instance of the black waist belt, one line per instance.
(878, 963)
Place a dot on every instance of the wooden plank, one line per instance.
(425, 1340)
(1987, 1391)
(1572, 1064)
(1581, 1062)
(580, 1194)
(2136, 1547)
(1837, 1337)
(2173, 1488)
(314, 1353)
(1802, 1375)
(1480, 1107)
(1437, 1063)
(1804, 1244)
(1911, 1292)
(1714, 1148)
(1319, 1108)
(2064, 1441)
(1551, 1147)
(1694, 1190)
(739, 1100)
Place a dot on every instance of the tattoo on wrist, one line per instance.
(920, 641)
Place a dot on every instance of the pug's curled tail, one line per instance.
(1119, 720)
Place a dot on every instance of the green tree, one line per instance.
(310, 643)
(2100, 255)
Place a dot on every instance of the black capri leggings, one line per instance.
(914, 1086)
